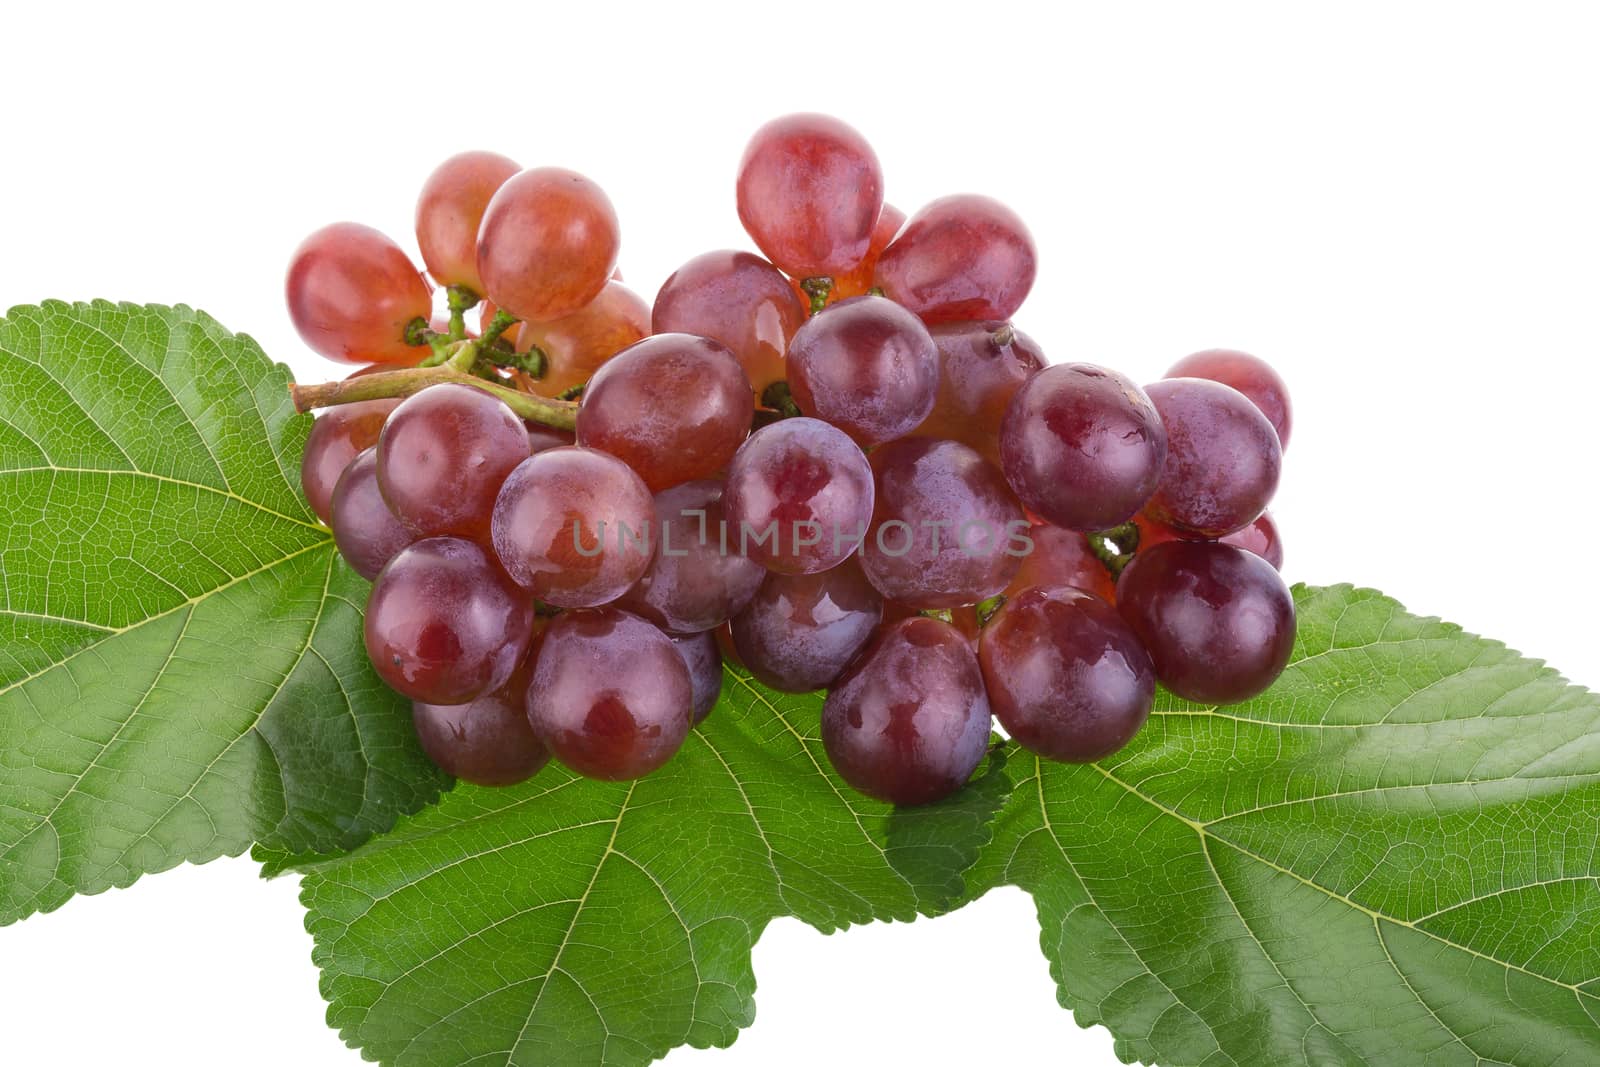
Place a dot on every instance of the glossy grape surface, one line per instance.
(859, 282)
(578, 344)
(366, 532)
(352, 292)
(800, 631)
(442, 456)
(673, 407)
(337, 437)
(1065, 674)
(740, 300)
(700, 655)
(697, 581)
(942, 525)
(1252, 376)
(1062, 558)
(488, 741)
(574, 527)
(1217, 620)
(981, 367)
(809, 193)
(450, 210)
(1223, 457)
(961, 258)
(909, 723)
(799, 496)
(1082, 446)
(1260, 537)
(611, 696)
(548, 244)
(866, 365)
(542, 438)
(443, 625)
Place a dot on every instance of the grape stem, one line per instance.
(817, 289)
(458, 368)
(1115, 547)
(460, 298)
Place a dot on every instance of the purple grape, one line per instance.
(802, 630)
(575, 527)
(1066, 676)
(337, 436)
(868, 366)
(486, 742)
(1223, 458)
(1082, 446)
(704, 660)
(611, 696)
(798, 497)
(1253, 377)
(698, 580)
(981, 367)
(909, 723)
(364, 529)
(442, 456)
(444, 625)
(942, 526)
(1217, 620)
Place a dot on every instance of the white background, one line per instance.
(1399, 205)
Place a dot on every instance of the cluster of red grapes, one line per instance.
(839, 465)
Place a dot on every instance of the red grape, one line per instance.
(352, 292)
(1066, 676)
(698, 580)
(859, 281)
(909, 722)
(364, 529)
(548, 244)
(1217, 620)
(1082, 446)
(486, 742)
(960, 258)
(1260, 537)
(578, 344)
(450, 210)
(1062, 558)
(981, 367)
(574, 526)
(942, 525)
(700, 655)
(542, 438)
(443, 624)
(866, 365)
(1223, 457)
(1253, 377)
(738, 299)
(809, 192)
(799, 496)
(337, 436)
(801, 630)
(674, 407)
(611, 696)
(442, 456)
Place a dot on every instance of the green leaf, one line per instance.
(575, 922)
(1392, 857)
(181, 670)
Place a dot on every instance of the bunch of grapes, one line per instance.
(837, 463)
